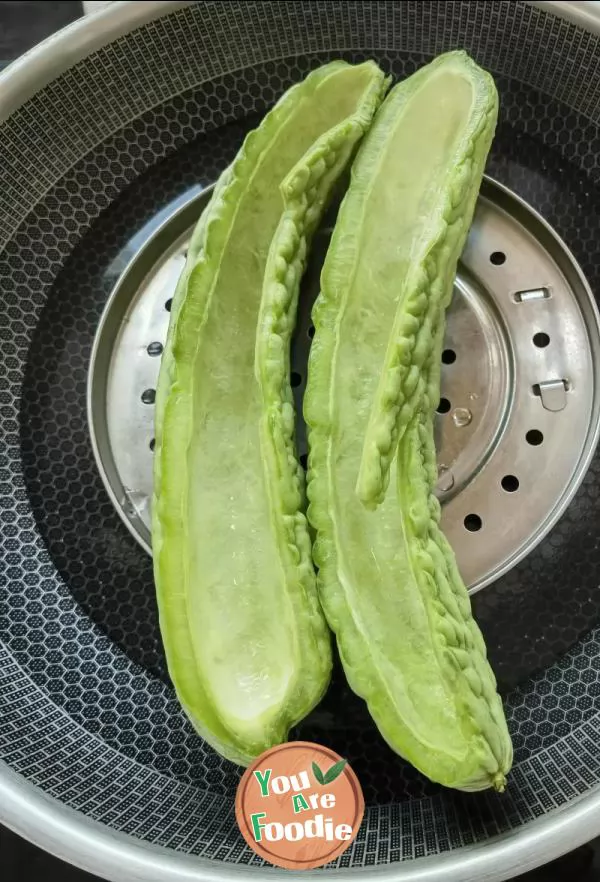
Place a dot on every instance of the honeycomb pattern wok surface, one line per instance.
(86, 708)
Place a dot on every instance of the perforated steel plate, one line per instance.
(518, 418)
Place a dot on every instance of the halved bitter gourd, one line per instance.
(306, 192)
(426, 213)
(463, 651)
(387, 580)
(247, 647)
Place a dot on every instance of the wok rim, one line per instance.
(95, 847)
(29, 73)
(118, 857)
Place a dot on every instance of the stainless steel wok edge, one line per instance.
(95, 847)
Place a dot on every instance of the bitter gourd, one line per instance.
(247, 647)
(388, 580)
(463, 656)
(428, 210)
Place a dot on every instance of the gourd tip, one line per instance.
(499, 782)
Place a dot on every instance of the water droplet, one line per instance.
(462, 416)
(445, 479)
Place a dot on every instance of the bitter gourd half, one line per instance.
(426, 213)
(387, 578)
(247, 647)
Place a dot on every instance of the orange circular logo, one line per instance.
(299, 805)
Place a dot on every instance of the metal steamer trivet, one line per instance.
(518, 417)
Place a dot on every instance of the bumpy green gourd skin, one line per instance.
(388, 580)
(247, 647)
(462, 651)
(306, 193)
(437, 246)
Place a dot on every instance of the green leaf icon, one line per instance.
(334, 772)
(318, 773)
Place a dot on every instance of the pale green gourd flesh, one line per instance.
(388, 581)
(441, 123)
(247, 648)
